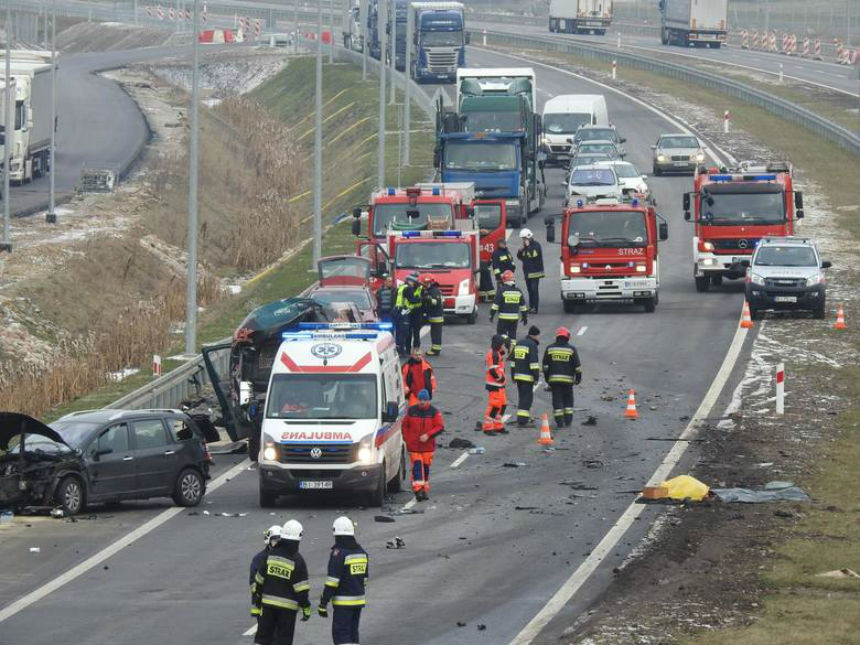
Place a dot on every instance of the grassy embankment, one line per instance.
(799, 606)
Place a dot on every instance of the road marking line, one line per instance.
(409, 504)
(251, 631)
(583, 572)
(582, 330)
(111, 550)
(508, 232)
(459, 460)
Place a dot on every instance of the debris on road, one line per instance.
(514, 464)
(592, 463)
(460, 444)
(382, 518)
(460, 623)
(578, 486)
(590, 421)
(772, 492)
(685, 487)
(839, 573)
(396, 543)
(478, 450)
(481, 627)
(35, 549)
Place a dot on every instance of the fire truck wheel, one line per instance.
(650, 305)
(716, 280)
(472, 318)
(702, 283)
(569, 306)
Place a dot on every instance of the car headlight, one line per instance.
(700, 156)
(661, 158)
(814, 280)
(755, 278)
(365, 450)
(464, 288)
(270, 452)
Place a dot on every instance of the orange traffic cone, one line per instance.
(840, 319)
(631, 412)
(545, 435)
(746, 321)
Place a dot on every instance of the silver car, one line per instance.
(587, 183)
(677, 153)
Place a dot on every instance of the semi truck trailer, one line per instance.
(580, 16)
(694, 22)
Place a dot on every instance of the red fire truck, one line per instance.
(733, 210)
(609, 252)
(451, 256)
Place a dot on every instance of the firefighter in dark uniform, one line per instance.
(531, 255)
(345, 583)
(434, 313)
(501, 261)
(562, 370)
(510, 306)
(525, 371)
(280, 589)
(408, 310)
(385, 300)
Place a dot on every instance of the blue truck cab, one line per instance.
(439, 41)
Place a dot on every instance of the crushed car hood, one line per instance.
(14, 423)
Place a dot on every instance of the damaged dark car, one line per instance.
(101, 456)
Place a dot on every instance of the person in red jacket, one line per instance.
(418, 375)
(420, 426)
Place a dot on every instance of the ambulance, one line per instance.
(333, 412)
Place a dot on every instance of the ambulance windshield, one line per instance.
(322, 396)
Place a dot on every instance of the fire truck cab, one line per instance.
(733, 209)
(609, 252)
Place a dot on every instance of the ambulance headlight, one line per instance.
(365, 450)
(270, 452)
(464, 288)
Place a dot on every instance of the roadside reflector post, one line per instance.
(618, 39)
(726, 122)
(780, 388)
(780, 74)
(484, 39)
(156, 365)
(614, 69)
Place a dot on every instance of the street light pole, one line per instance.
(296, 33)
(191, 295)
(380, 155)
(331, 34)
(317, 250)
(363, 10)
(51, 216)
(392, 44)
(407, 74)
(8, 120)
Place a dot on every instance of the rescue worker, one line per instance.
(495, 381)
(407, 306)
(280, 589)
(562, 370)
(434, 312)
(270, 537)
(417, 375)
(421, 424)
(385, 300)
(525, 370)
(345, 583)
(502, 261)
(531, 255)
(510, 305)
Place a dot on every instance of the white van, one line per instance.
(333, 413)
(562, 116)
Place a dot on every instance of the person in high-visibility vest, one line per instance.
(434, 312)
(421, 424)
(510, 306)
(495, 381)
(417, 375)
(407, 308)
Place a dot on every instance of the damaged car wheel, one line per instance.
(70, 496)
(189, 488)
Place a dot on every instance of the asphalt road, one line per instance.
(842, 78)
(471, 555)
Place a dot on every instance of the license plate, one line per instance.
(739, 260)
(681, 163)
(635, 284)
(317, 485)
(785, 299)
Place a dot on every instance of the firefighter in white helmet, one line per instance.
(280, 588)
(345, 583)
(531, 255)
(270, 538)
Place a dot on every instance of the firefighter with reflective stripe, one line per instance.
(531, 255)
(280, 589)
(502, 261)
(348, 570)
(525, 371)
(495, 380)
(434, 312)
(421, 424)
(562, 370)
(417, 375)
(510, 306)
(407, 309)
(270, 537)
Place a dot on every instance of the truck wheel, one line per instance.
(664, 37)
(377, 498)
(267, 499)
(820, 311)
(396, 484)
(70, 495)
(569, 306)
(189, 488)
(717, 280)
(702, 283)
(472, 318)
(650, 305)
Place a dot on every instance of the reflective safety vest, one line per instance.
(526, 361)
(532, 259)
(502, 261)
(495, 374)
(281, 580)
(408, 297)
(561, 364)
(509, 303)
(348, 570)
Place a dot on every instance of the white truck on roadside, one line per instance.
(353, 37)
(29, 139)
(694, 22)
(580, 16)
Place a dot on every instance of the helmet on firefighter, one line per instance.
(562, 332)
(507, 276)
(292, 530)
(343, 526)
(526, 234)
(272, 532)
(428, 279)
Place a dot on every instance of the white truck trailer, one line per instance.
(694, 22)
(29, 140)
(580, 16)
(351, 30)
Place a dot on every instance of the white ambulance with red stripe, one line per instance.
(333, 411)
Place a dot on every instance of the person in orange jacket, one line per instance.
(421, 424)
(418, 375)
(495, 383)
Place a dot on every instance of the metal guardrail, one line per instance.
(833, 132)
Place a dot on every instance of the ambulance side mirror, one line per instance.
(550, 229)
(392, 411)
(664, 231)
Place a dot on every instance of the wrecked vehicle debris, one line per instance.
(772, 492)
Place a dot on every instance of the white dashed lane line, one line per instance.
(582, 330)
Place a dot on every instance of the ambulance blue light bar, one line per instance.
(346, 326)
(436, 191)
(391, 191)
